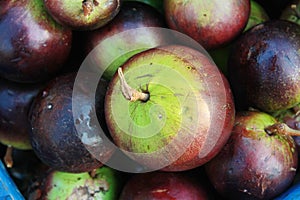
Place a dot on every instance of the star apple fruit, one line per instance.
(255, 163)
(33, 46)
(263, 67)
(171, 109)
(213, 23)
(55, 138)
(164, 185)
(83, 14)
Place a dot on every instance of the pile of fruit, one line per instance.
(150, 99)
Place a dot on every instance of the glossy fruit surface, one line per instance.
(54, 137)
(212, 23)
(264, 66)
(162, 186)
(254, 164)
(16, 99)
(33, 46)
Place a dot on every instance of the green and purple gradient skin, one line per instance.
(254, 164)
(187, 97)
(83, 15)
(33, 46)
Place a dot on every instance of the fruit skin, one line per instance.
(253, 164)
(212, 23)
(54, 137)
(33, 46)
(204, 80)
(163, 185)
(158, 5)
(16, 99)
(106, 184)
(133, 15)
(264, 66)
(71, 14)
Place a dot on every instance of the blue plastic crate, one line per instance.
(8, 189)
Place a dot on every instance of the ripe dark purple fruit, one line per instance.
(33, 46)
(54, 136)
(264, 67)
(16, 99)
(257, 162)
(162, 186)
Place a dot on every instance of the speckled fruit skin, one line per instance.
(70, 13)
(253, 164)
(212, 23)
(215, 103)
(54, 136)
(162, 186)
(106, 184)
(33, 46)
(16, 99)
(264, 67)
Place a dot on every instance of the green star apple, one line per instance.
(169, 108)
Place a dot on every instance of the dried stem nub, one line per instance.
(130, 93)
(282, 129)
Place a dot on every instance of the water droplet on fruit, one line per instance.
(44, 94)
(49, 106)
(44, 45)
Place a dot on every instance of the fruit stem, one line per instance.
(130, 93)
(281, 128)
(8, 160)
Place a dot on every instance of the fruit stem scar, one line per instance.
(130, 93)
(88, 6)
(8, 160)
(282, 129)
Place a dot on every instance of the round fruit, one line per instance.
(254, 164)
(105, 184)
(264, 66)
(54, 137)
(83, 14)
(212, 23)
(33, 46)
(184, 115)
